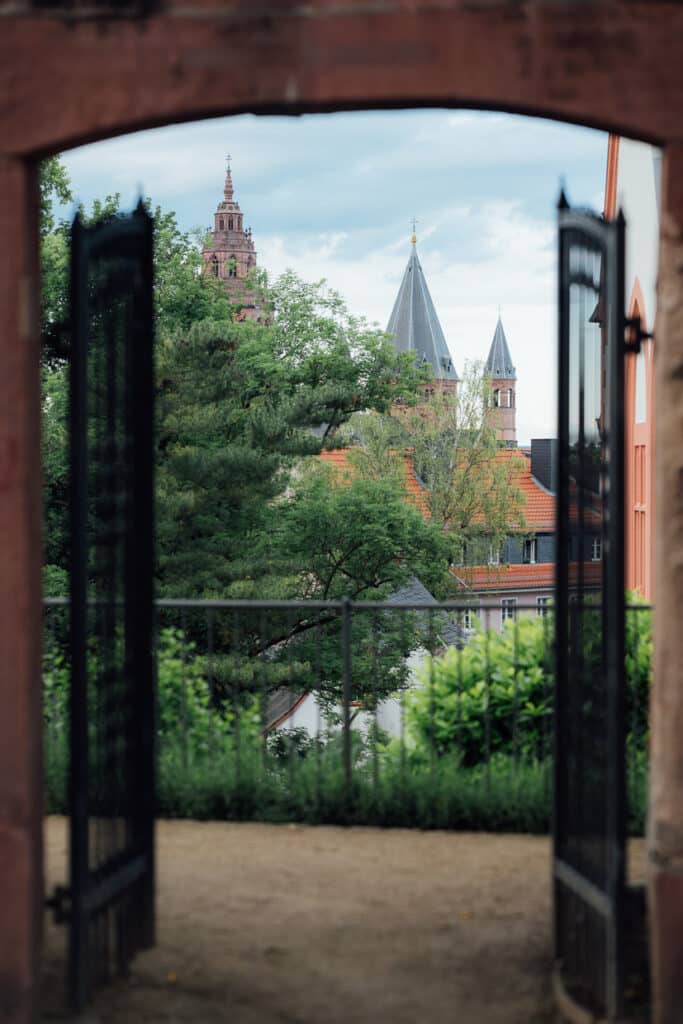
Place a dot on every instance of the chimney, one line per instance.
(544, 461)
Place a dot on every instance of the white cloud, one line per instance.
(332, 196)
(517, 273)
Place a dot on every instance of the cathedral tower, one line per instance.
(230, 254)
(415, 326)
(503, 379)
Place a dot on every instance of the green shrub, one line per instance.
(492, 696)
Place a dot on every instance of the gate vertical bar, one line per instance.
(139, 570)
(78, 698)
(614, 614)
(346, 694)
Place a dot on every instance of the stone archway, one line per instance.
(72, 76)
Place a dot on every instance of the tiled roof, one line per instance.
(539, 504)
(539, 507)
(519, 577)
(416, 493)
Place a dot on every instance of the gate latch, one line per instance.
(635, 335)
(60, 903)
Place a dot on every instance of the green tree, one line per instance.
(240, 406)
(470, 486)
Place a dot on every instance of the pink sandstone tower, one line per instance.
(230, 254)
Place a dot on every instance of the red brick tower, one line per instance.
(230, 255)
(503, 379)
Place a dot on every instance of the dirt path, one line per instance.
(300, 925)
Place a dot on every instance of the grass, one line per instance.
(397, 790)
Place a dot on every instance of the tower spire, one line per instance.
(413, 237)
(415, 325)
(228, 191)
(502, 376)
(229, 254)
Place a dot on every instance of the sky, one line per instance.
(333, 196)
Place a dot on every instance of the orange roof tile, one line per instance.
(518, 577)
(539, 507)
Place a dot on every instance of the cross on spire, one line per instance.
(229, 161)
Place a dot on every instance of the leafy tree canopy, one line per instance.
(470, 485)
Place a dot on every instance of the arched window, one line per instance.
(214, 266)
(221, 224)
(232, 267)
(229, 223)
(496, 398)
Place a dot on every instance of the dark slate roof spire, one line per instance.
(499, 363)
(414, 324)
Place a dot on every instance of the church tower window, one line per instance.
(229, 223)
(221, 224)
(214, 266)
(232, 267)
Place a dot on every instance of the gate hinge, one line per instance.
(60, 903)
(635, 335)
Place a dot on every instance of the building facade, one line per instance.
(633, 185)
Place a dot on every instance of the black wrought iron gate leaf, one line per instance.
(589, 807)
(112, 784)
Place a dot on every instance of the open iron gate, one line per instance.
(589, 808)
(110, 900)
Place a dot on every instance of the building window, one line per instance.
(229, 223)
(505, 399)
(494, 554)
(509, 608)
(468, 617)
(496, 398)
(529, 551)
(221, 224)
(232, 267)
(542, 606)
(214, 266)
(596, 549)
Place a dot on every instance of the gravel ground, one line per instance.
(304, 925)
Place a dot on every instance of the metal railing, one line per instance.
(377, 712)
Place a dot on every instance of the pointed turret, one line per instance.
(501, 372)
(499, 363)
(415, 326)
